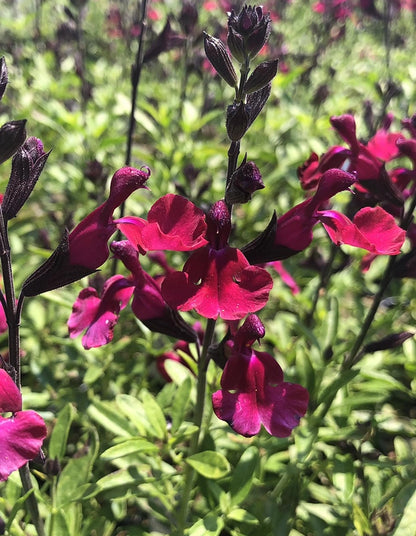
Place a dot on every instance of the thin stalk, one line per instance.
(323, 282)
(189, 474)
(136, 71)
(135, 80)
(13, 312)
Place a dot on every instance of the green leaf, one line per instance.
(59, 524)
(361, 523)
(134, 411)
(106, 414)
(154, 415)
(407, 523)
(242, 516)
(180, 403)
(209, 464)
(334, 386)
(17, 506)
(59, 436)
(242, 477)
(117, 484)
(73, 482)
(125, 448)
(210, 525)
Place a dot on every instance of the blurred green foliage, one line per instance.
(118, 431)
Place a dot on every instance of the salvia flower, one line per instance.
(253, 392)
(372, 229)
(86, 248)
(22, 434)
(99, 315)
(217, 280)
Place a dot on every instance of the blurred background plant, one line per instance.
(117, 429)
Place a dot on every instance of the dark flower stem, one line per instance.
(13, 314)
(135, 80)
(136, 72)
(189, 474)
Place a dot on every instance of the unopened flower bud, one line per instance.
(238, 121)
(261, 76)
(391, 341)
(12, 136)
(3, 77)
(252, 27)
(244, 182)
(27, 165)
(251, 331)
(220, 59)
(188, 17)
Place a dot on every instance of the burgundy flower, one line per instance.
(253, 391)
(217, 280)
(372, 229)
(173, 223)
(294, 229)
(98, 316)
(22, 434)
(86, 248)
(88, 242)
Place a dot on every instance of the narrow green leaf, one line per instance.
(242, 516)
(180, 403)
(210, 525)
(242, 476)
(125, 448)
(209, 464)
(154, 415)
(134, 411)
(106, 414)
(407, 523)
(59, 436)
(331, 390)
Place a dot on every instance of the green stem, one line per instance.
(189, 473)
(31, 501)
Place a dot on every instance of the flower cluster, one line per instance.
(380, 189)
(217, 280)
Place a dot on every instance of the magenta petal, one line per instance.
(116, 294)
(341, 229)
(83, 311)
(283, 407)
(218, 283)
(3, 320)
(174, 223)
(131, 227)
(239, 410)
(21, 438)
(373, 229)
(380, 229)
(383, 145)
(253, 392)
(10, 396)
